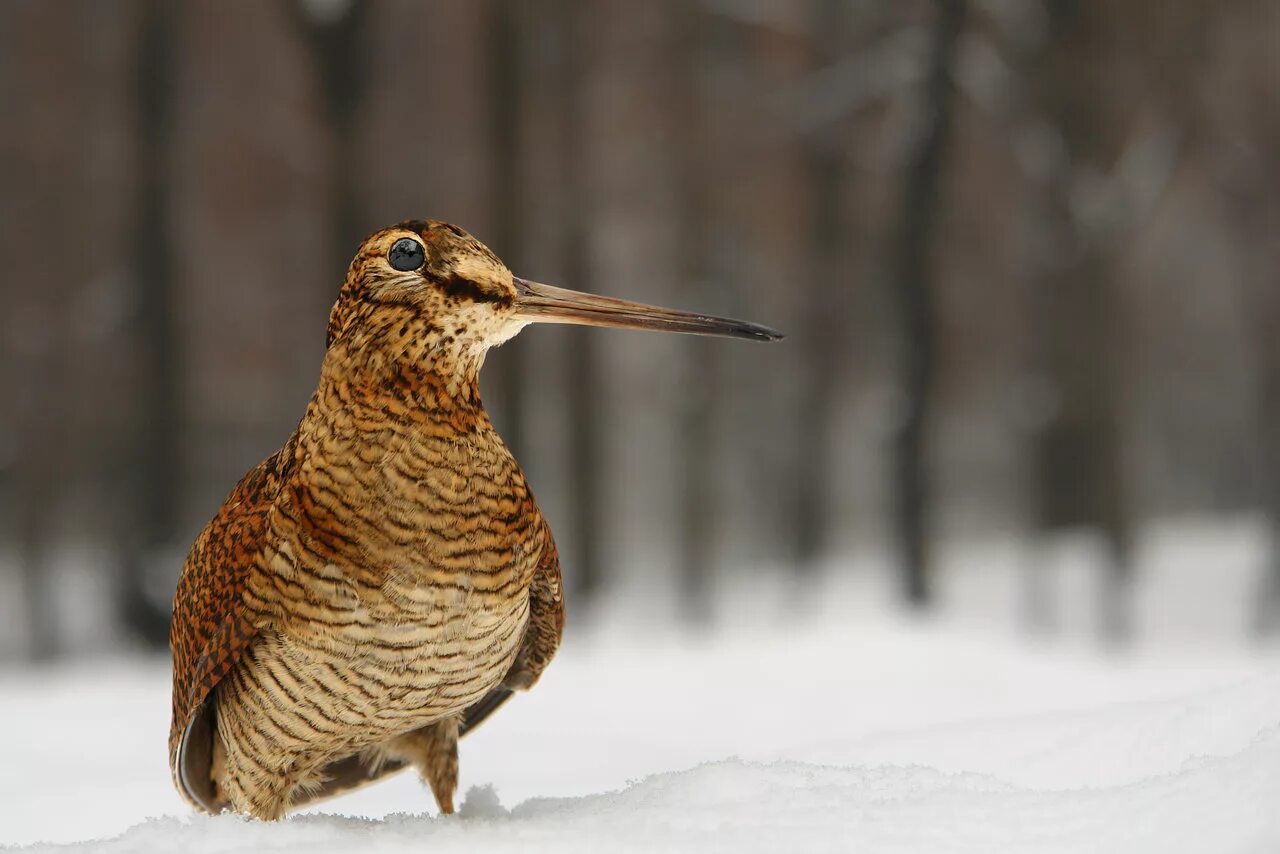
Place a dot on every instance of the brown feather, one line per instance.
(385, 572)
(209, 633)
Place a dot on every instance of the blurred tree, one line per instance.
(157, 461)
(335, 33)
(586, 459)
(692, 158)
(47, 88)
(1078, 466)
(507, 71)
(1266, 314)
(1110, 82)
(912, 265)
(1244, 142)
(828, 299)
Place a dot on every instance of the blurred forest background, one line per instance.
(1027, 254)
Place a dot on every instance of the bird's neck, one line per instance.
(398, 360)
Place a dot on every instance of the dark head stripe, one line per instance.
(456, 286)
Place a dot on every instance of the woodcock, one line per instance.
(382, 583)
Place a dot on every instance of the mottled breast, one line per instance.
(395, 591)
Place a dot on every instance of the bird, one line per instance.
(381, 584)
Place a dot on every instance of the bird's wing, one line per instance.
(541, 638)
(210, 632)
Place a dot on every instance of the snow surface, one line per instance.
(850, 730)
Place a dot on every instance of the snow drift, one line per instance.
(849, 731)
(1223, 804)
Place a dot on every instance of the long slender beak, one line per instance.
(547, 304)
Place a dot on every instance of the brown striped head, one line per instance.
(434, 271)
(466, 298)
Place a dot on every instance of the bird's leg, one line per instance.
(438, 763)
(433, 750)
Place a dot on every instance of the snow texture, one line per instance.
(853, 732)
(1218, 804)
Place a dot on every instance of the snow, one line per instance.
(852, 729)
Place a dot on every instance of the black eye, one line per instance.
(406, 254)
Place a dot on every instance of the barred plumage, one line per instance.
(380, 585)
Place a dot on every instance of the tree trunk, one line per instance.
(43, 135)
(692, 158)
(158, 463)
(335, 35)
(503, 376)
(1267, 613)
(1078, 457)
(913, 282)
(826, 315)
(586, 459)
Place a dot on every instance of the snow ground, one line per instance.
(851, 730)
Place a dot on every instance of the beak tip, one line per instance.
(756, 332)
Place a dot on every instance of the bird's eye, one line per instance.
(406, 254)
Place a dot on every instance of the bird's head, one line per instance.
(429, 288)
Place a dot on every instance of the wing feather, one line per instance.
(209, 633)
